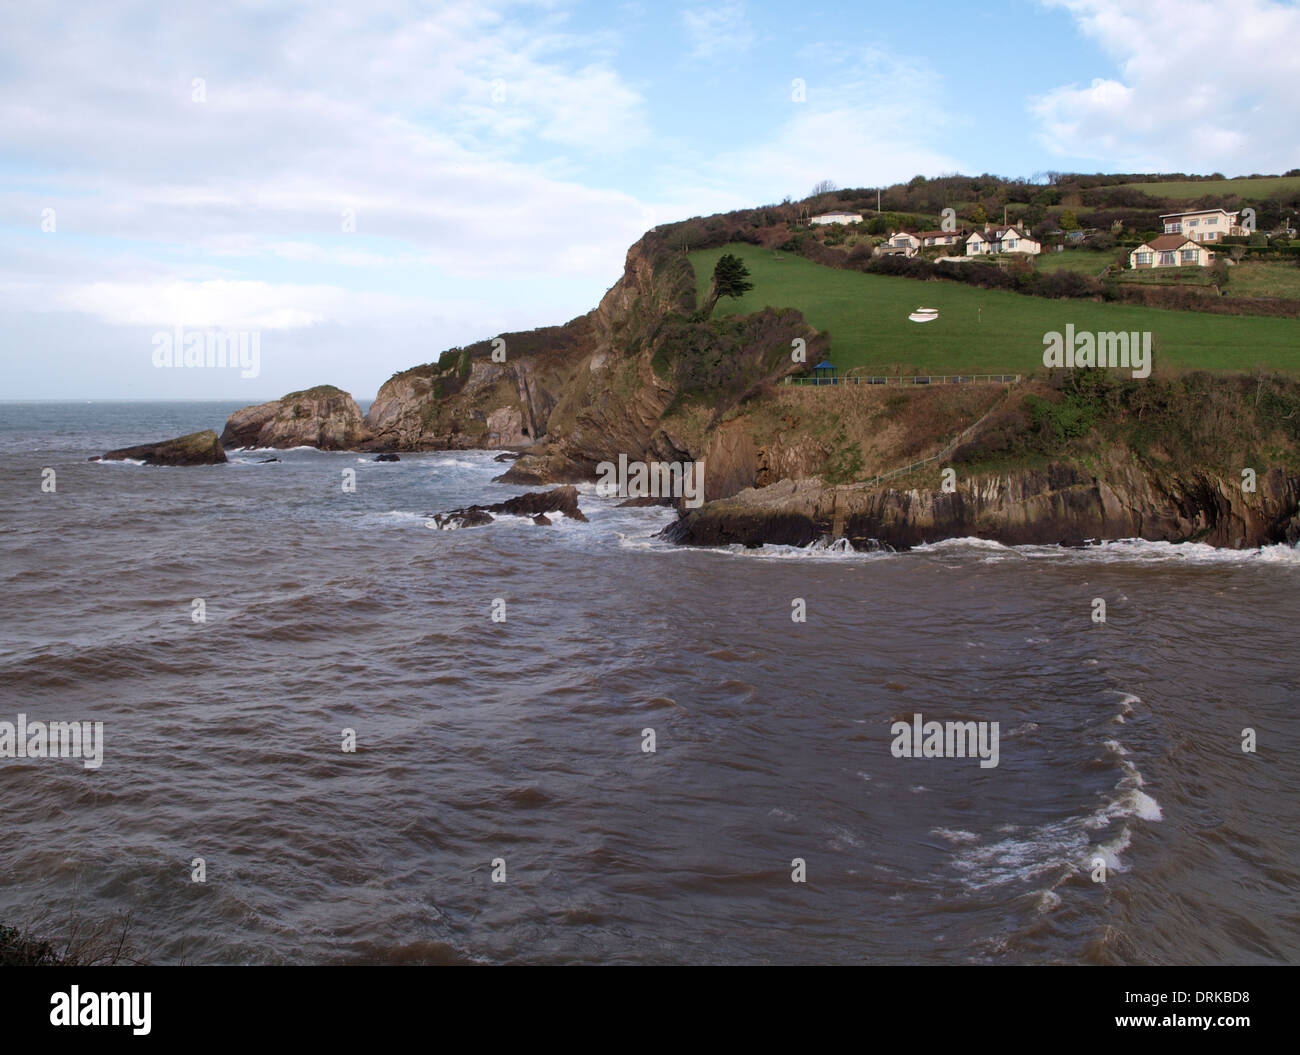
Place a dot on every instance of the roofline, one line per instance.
(1196, 212)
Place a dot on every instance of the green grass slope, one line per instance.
(1190, 190)
(979, 330)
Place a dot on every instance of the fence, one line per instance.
(916, 379)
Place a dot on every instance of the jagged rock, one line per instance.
(534, 504)
(268, 461)
(198, 448)
(648, 500)
(506, 456)
(475, 516)
(559, 500)
(387, 458)
(542, 520)
(325, 417)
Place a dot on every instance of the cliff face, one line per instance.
(470, 399)
(636, 376)
(324, 417)
(1060, 503)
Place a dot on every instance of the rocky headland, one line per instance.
(1061, 457)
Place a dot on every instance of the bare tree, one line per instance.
(824, 187)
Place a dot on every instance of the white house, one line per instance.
(1170, 250)
(1008, 239)
(901, 243)
(838, 217)
(1205, 225)
(929, 239)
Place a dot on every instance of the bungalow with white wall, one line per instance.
(900, 243)
(1170, 250)
(1010, 239)
(837, 217)
(1205, 225)
(930, 239)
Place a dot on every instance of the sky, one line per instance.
(355, 187)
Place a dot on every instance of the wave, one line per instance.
(1067, 847)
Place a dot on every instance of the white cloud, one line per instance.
(1202, 86)
(716, 30)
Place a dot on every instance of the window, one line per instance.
(1189, 256)
(1168, 259)
(1144, 259)
(1210, 236)
(1193, 223)
(1010, 243)
(1173, 228)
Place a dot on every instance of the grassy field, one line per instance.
(1085, 261)
(980, 330)
(1247, 188)
(1265, 278)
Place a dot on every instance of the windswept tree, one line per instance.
(730, 279)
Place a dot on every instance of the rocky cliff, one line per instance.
(640, 375)
(1056, 504)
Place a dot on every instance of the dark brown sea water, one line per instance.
(521, 741)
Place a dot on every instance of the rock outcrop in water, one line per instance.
(198, 448)
(324, 417)
(535, 505)
(1056, 504)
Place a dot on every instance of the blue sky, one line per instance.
(366, 187)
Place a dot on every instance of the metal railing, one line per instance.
(915, 379)
(956, 440)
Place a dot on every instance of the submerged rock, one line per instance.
(198, 448)
(387, 458)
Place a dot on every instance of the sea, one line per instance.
(335, 734)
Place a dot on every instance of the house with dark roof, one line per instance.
(1007, 239)
(930, 239)
(1170, 250)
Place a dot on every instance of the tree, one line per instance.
(1068, 221)
(824, 187)
(730, 279)
(978, 215)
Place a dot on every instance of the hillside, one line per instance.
(981, 330)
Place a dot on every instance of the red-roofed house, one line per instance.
(1170, 250)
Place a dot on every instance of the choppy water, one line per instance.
(522, 740)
